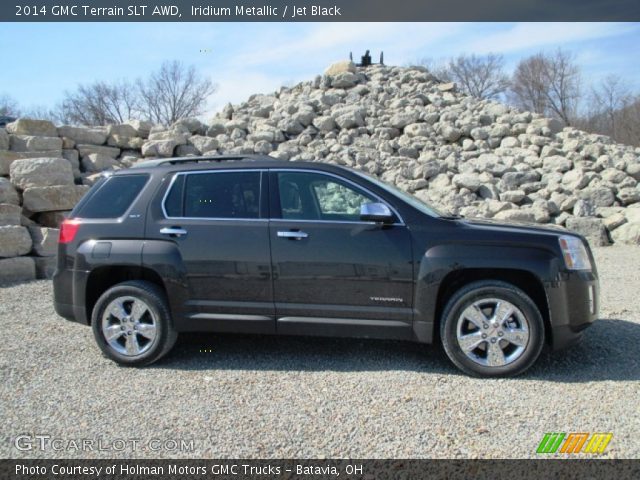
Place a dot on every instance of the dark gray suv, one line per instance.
(256, 245)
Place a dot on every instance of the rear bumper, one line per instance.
(573, 306)
(64, 297)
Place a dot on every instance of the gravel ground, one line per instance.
(248, 396)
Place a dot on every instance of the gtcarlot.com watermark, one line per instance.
(44, 443)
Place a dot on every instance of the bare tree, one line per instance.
(528, 85)
(100, 104)
(174, 92)
(41, 112)
(548, 84)
(608, 99)
(479, 76)
(438, 68)
(9, 106)
(628, 125)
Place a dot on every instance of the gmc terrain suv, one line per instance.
(256, 245)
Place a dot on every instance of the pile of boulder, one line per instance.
(464, 155)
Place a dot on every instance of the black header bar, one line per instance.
(318, 10)
(566, 469)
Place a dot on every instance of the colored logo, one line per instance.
(574, 442)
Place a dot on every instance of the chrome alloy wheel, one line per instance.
(492, 332)
(129, 326)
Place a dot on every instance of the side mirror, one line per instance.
(376, 212)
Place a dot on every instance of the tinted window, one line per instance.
(173, 203)
(313, 196)
(113, 197)
(215, 195)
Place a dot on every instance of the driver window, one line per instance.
(314, 196)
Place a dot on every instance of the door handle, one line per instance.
(177, 231)
(293, 235)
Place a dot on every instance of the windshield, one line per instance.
(410, 199)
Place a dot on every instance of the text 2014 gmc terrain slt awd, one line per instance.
(257, 245)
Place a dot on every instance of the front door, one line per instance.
(333, 273)
(215, 219)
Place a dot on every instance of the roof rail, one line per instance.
(213, 158)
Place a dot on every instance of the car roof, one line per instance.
(238, 161)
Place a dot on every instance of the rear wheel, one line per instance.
(132, 324)
(492, 329)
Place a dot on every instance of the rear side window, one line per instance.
(113, 197)
(214, 195)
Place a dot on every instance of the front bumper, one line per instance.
(574, 303)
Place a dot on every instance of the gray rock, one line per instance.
(14, 241)
(192, 125)
(7, 158)
(51, 219)
(27, 126)
(10, 214)
(72, 156)
(41, 172)
(557, 163)
(575, 179)
(632, 214)
(141, 127)
(186, 151)
(350, 118)
(45, 267)
(467, 180)
(598, 196)
(614, 221)
(84, 150)
(340, 67)
(45, 240)
(47, 199)
(418, 130)
(97, 162)
(8, 193)
(513, 215)
(591, 228)
(450, 133)
(629, 195)
(20, 269)
(28, 143)
(633, 170)
(121, 130)
(613, 175)
(628, 234)
(513, 196)
(84, 135)
(159, 148)
(402, 119)
(4, 139)
(132, 143)
(344, 80)
(584, 208)
(592, 151)
(215, 129)
(324, 123)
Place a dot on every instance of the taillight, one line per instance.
(68, 230)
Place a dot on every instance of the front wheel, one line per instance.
(492, 329)
(132, 324)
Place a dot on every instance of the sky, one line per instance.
(42, 60)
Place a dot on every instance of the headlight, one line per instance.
(574, 253)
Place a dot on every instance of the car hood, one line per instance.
(513, 227)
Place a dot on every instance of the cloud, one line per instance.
(525, 36)
(332, 41)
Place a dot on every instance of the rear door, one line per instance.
(216, 220)
(333, 273)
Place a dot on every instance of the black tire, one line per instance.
(151, 296)
(524, 355)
